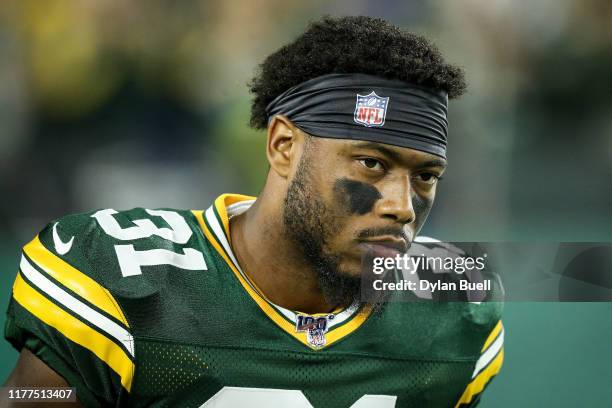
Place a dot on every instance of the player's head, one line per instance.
(353, 171)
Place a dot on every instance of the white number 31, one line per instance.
(131, 260)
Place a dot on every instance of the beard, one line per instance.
(309, 224)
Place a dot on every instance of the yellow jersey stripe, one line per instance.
(338, 333)
(74, 279)
(221, 204)
(265, 306)
(332, 336)
(479, 383)
(212, 217)
(84, 311)
(218, 226)
(494, 333)
(74, 330)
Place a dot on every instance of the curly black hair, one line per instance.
(344, 45)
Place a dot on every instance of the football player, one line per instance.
(257, 301)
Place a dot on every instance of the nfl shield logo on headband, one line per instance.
(370, 110)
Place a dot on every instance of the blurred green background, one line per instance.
(122, 104)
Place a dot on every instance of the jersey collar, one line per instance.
(215, 225)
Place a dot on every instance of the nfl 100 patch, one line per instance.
(370, 110)
(315, 328)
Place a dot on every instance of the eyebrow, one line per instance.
(398, 157)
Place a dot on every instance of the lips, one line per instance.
(385, 246)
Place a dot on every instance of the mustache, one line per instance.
(375, 232)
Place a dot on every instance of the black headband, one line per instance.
(367, 107)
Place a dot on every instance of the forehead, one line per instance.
(401, 155)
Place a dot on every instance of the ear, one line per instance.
(283, 138)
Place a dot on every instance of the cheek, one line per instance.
(422, 206)
(355, 197)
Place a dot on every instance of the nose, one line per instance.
(396, 203)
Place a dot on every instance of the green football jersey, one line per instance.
(150, 308)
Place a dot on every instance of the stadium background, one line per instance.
(122, 104)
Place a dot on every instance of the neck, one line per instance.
(271, 262)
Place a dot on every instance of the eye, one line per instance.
(428, 178)
(372, 164)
